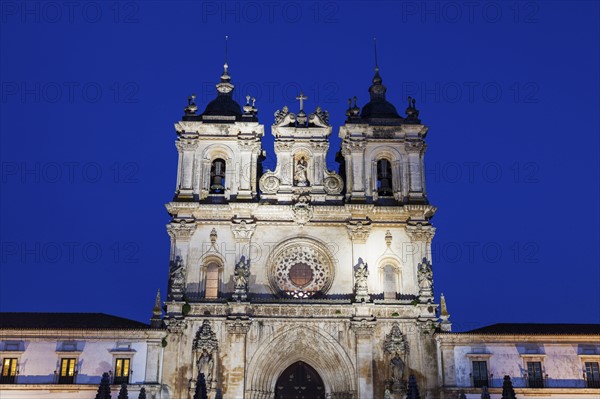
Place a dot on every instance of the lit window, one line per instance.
(122, 371)
(301, 275)
(9, 371)
(212, 281)
(67, 371)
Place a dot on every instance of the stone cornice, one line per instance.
(470, 339)
(71, 334)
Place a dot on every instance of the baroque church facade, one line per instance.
(297, 282)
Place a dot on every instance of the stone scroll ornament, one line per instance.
(205, 348)
(240, 278)
(396, 346)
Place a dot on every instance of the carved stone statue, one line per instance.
(205, 347)
(387, 394)
(397, 368)
(177, 279)
(240, 279)
(301, 172)
(360, 280)
(425, 276)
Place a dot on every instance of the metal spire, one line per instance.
(226, 66)
(375, 46)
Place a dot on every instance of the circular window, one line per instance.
(301, 268)
(301, 275)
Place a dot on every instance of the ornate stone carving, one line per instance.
(175, 326)
(319, 118)
(388, 238)
(396, 346)
(238, 326)
(301, 269)
(269, 183)
(425, 277)
(177, 280)
(240, 278)
(361, 288)
(242, 229)
(359, 231)
(301, 172)
(284, 117)
(301, 210)
(333, 183)
(414, 145)
(363, 328)
(181, 231)
(186, 144)
(420, 232)
(205, 346)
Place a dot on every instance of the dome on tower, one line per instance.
(224, 104)
(379, 107)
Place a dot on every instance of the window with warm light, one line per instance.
(122, 366)
(212, 281)
(67, 371)
(9, 371)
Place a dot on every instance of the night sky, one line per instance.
(510, 90)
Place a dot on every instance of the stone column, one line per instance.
(247, 166)
(358, 169)
(186, 149)
(415, 150)
(236, 372)
(359, 231)
(180, 234)
(153, 361)
(364, 357)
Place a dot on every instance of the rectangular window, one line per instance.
(592, 374)
(212, 281)
(9, 371)
(122, 371)
(480, 374)
(67, 371)
(534, 375)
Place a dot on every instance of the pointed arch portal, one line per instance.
(299, 381)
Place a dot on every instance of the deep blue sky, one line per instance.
(510, 90)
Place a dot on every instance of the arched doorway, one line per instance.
(299, 381)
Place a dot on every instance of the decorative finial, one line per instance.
(443, 307)
(213, 236)
(412, 113)
(156, 321)
(388, 238)
(191, 107)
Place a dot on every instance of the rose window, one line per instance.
(301, 269)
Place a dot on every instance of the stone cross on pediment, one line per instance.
(301, 97)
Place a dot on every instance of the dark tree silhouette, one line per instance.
(507, 389)
(142, 394)
(104, 388)
(201, 388)
(123, 392)
(413, 388)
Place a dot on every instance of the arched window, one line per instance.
(217, 176)
(384, 178)
(390, 280)
(212, 281)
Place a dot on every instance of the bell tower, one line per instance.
(382, 151)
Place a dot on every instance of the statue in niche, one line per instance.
(397, 366)
(241, 274)
(177, 279)
(360, 278)
(425, 275)
(206, 365)
(301, 172)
